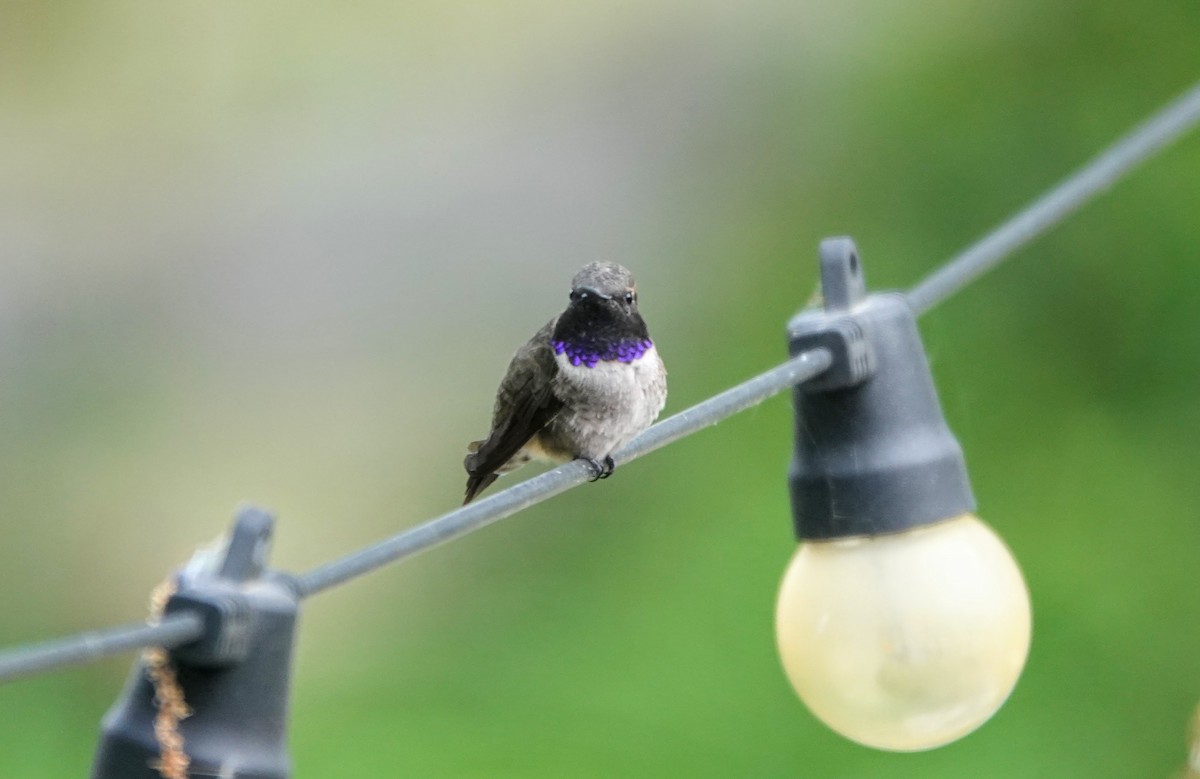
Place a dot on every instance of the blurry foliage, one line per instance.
(282, 254)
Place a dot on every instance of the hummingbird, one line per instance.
(580, 389)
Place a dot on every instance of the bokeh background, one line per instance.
(281, 253)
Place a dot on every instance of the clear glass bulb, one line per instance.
(905, 641)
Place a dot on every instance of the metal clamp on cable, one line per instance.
(234, 679)
(835, 327)
(227, 623)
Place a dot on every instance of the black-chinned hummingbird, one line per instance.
(581, 388)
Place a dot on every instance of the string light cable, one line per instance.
(230, 620)
(1140, 144)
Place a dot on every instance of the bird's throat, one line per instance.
(590, 354)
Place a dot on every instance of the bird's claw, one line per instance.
(600, 469)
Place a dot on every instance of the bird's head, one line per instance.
(604, 285)
(602, 316)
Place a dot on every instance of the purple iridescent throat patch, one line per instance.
(622, 351)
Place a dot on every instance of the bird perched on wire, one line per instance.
(581, 388)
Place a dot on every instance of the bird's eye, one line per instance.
(629, 297)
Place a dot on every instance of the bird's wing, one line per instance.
(525, 403)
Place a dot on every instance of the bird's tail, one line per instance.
(477, 483)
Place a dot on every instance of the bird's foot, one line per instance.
(600, 469)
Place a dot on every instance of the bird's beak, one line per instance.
(589, 291)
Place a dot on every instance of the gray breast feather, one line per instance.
(606, 406)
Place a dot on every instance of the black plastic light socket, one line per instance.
(873, 454)
(235, 677)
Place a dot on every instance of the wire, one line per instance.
(1102, 172)
(1139, 145)
(182, 627)
(172, 631)
(525, 494)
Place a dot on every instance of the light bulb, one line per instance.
(905, 641)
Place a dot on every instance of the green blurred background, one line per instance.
(281, 253)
